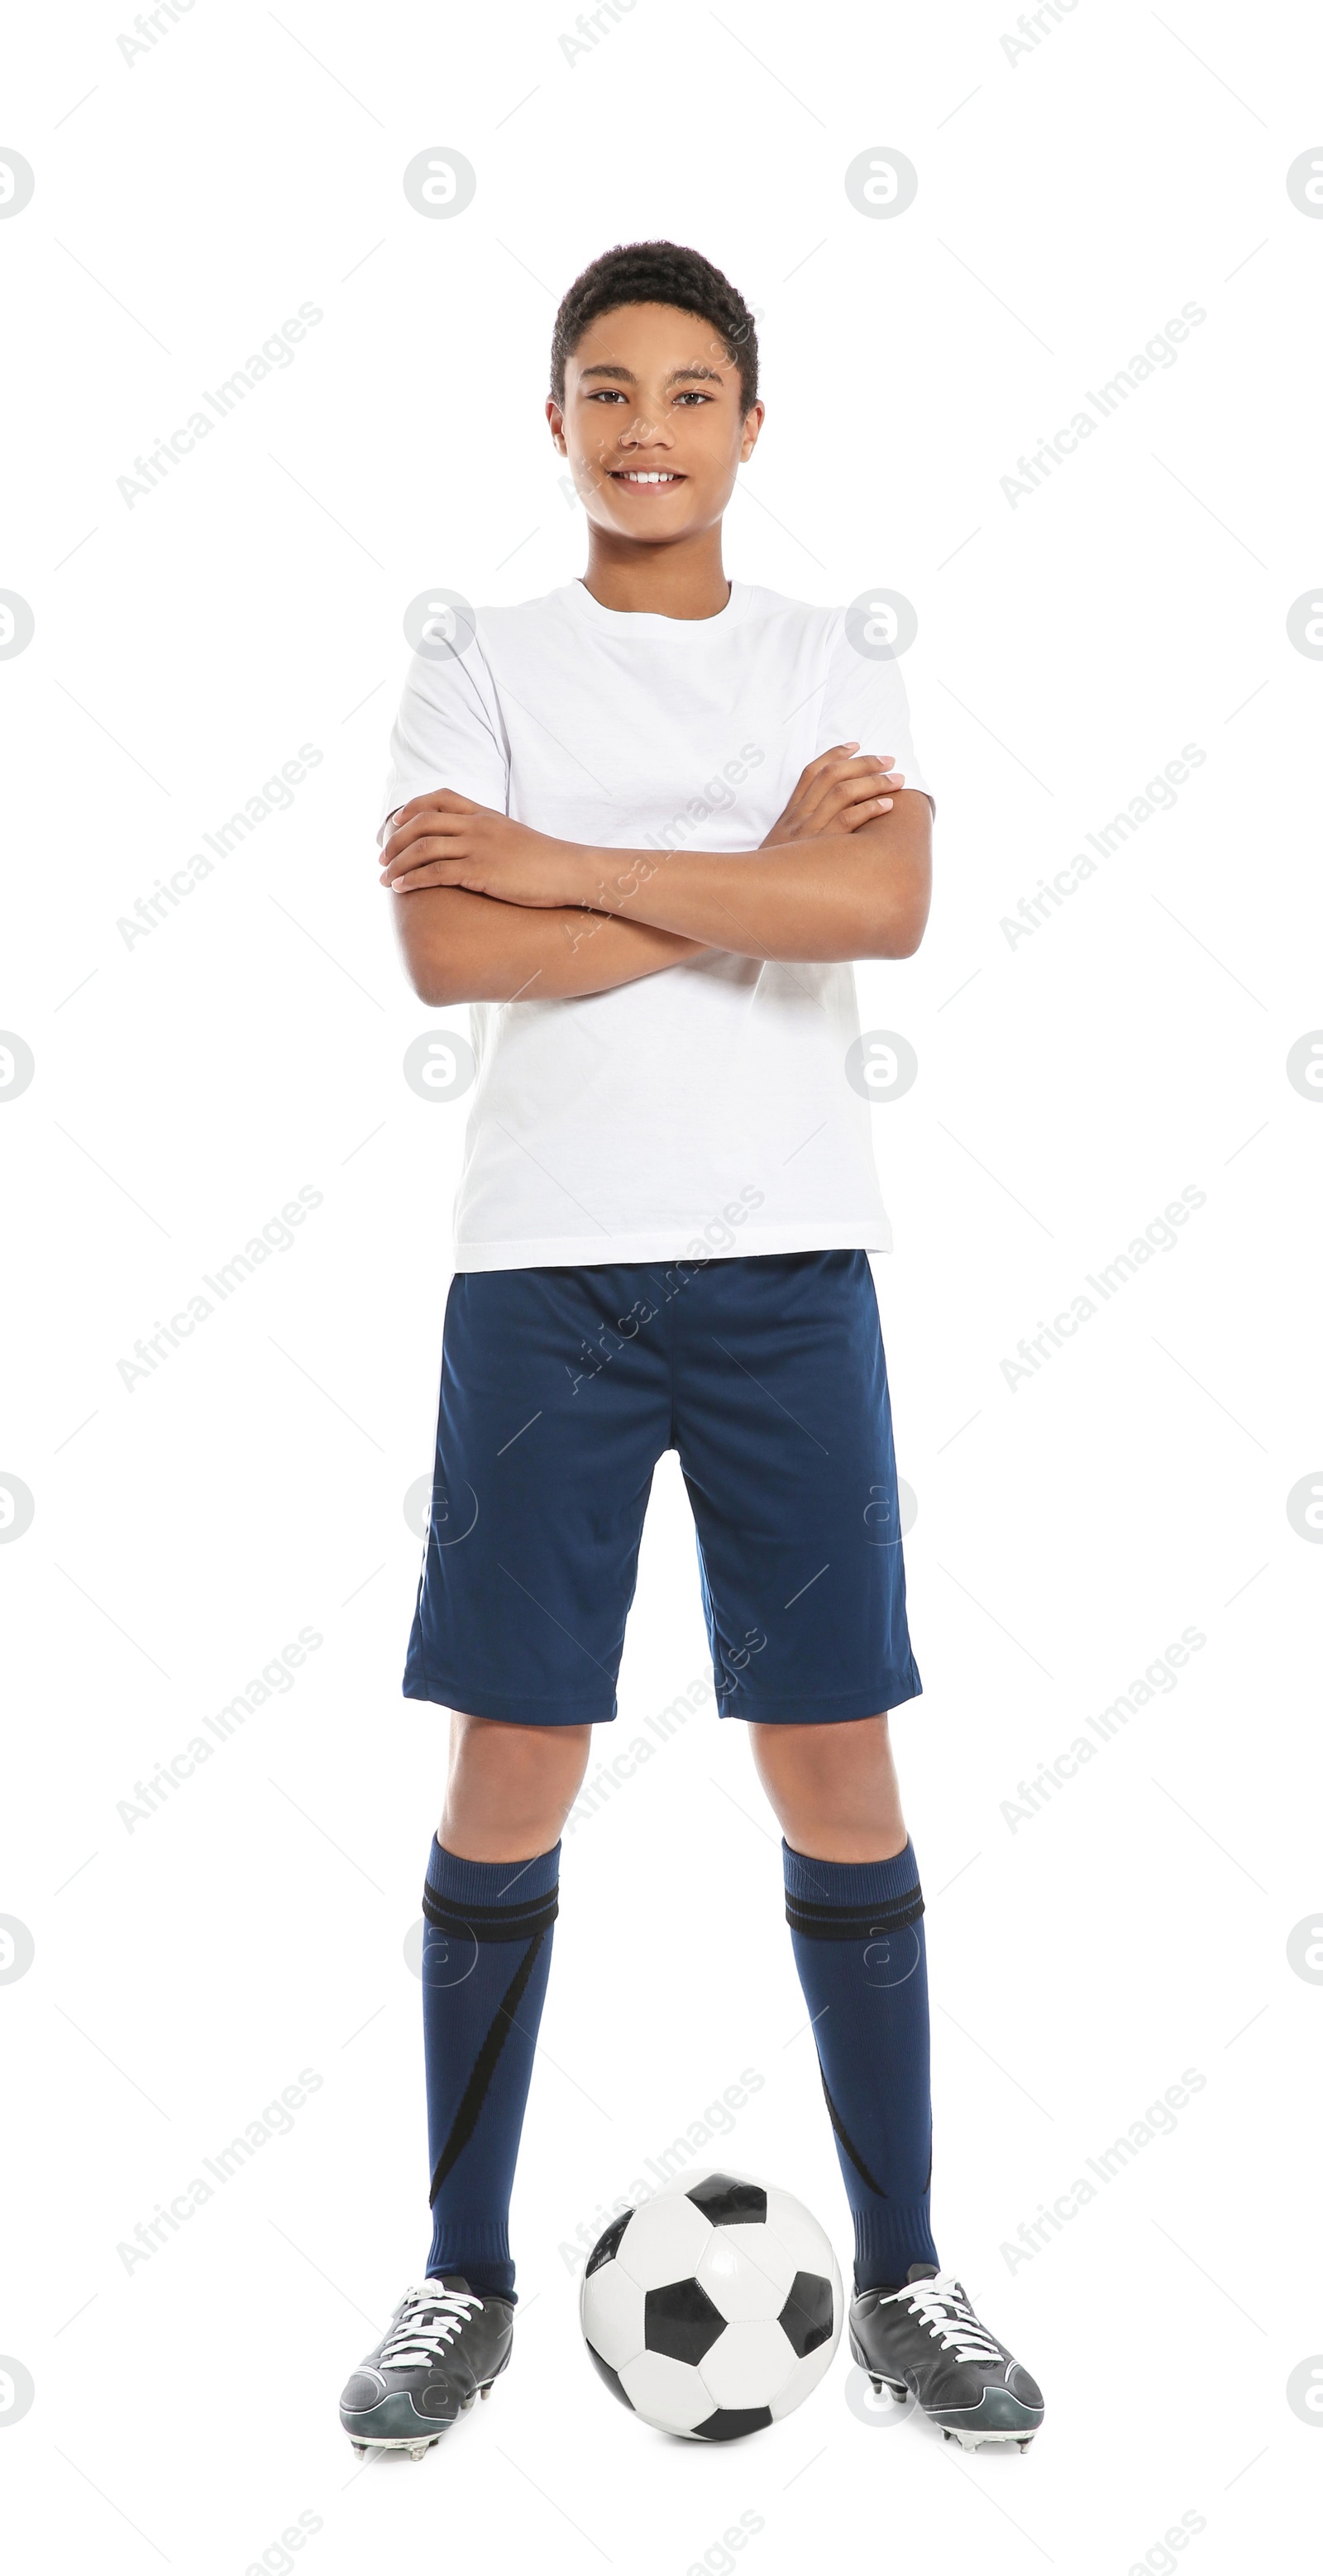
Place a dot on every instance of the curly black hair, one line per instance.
(657, 272)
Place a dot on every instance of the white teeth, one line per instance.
(630, 477)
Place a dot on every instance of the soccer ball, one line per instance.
(712, 2310)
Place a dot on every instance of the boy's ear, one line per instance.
(556, 423)
(753, 421)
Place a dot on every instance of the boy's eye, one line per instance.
(614, 394)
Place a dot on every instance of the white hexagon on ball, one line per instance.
(665, 2241)
(670, 2394)
(748, 2365)
(746, 2272)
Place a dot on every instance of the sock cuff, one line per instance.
(850, 1882)
(889, 2236)
(494, 1900)
(833, 1900)
(479, 2248)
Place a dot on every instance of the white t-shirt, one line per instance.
(704, 1110)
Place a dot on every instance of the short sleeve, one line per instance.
(448, 733)
(864, 701)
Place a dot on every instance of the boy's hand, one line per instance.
(443, 839)
(836, 793)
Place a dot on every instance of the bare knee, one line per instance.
(833, 1789)
(510, 1788)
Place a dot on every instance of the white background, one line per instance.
(1070, 201)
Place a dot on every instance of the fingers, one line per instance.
(817, 795)
(855, 788)
(404, 860)
(851, 816)
(848, 817)
(425, 814)
(839, 751)
(433, 872)
(431, 833)
(430, 818)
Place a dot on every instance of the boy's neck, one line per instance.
(681, 580)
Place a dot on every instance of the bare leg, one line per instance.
(833, 1789)
(510, 1788)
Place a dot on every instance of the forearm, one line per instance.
(805, 893)
(839, 896)
(461, 947)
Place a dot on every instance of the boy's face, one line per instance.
(649, 392)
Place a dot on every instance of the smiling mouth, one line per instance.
(645, 482)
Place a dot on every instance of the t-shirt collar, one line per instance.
(647, 621)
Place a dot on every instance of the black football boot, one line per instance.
(444, 2347)
(924, 2341)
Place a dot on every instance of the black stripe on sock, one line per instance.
(847, 2141)
(484, 2067)
(853, 1922)
(517, 1922)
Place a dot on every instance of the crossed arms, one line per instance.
(488, 910)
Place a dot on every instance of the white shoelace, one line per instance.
(942, 2307)
(425, 2325)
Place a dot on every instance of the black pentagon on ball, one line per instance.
(729, 2422)
(612, 2378)
(608, 2243)
(806, 2318)
(681, 2321)
(727, 2202)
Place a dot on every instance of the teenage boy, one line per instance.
(643, 825)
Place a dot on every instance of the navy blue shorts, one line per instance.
(561, 1388)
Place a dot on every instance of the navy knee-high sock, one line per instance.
(486, 1953)
(857, 1930)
